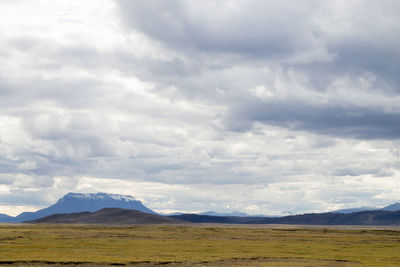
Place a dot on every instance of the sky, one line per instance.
(265, 107)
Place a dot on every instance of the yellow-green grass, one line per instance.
(213, 245)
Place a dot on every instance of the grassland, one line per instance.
(197, 245)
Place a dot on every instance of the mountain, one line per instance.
(123, 216)
(351, 210)
(76, 202)
(215, 213)
(108, 216)
(197, 218)
(5, 218)
(393, 207)
(376, 217)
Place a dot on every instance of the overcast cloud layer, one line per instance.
(257, 106)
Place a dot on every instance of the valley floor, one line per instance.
(198, 245)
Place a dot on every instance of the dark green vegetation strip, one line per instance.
(200, 245)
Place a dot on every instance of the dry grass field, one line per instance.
(199, 245)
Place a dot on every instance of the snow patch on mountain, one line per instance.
(98, 196)
(392, 207)
(352, 210)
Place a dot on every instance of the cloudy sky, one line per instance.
(267, 107)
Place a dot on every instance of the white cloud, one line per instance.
(256, 106)
(15, 210)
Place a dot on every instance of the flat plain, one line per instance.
(198, 245)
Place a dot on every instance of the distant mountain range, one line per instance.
(392, 207)
(234, 213)
(90, 208)
(76, 202)
(377, 217)
(123, 216)
(215, 213)
(351, 210)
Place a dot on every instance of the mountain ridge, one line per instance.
(378, 217)
(91, 202)
(112, 216)
(352, 210)
(123, 216)
(5, 218)
(392, 207)
(217, 213)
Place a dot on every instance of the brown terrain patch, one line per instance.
(256, 261)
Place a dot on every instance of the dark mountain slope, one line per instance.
(108, 216)
(357, 218)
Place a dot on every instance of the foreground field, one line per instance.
(197, 245)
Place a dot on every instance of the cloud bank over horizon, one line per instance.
(257, 106)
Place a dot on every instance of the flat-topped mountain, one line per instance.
(77, 202)
(108, 216)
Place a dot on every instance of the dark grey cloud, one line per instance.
(323, 42)
(335, 120)
(255, 28)
(21, 197)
